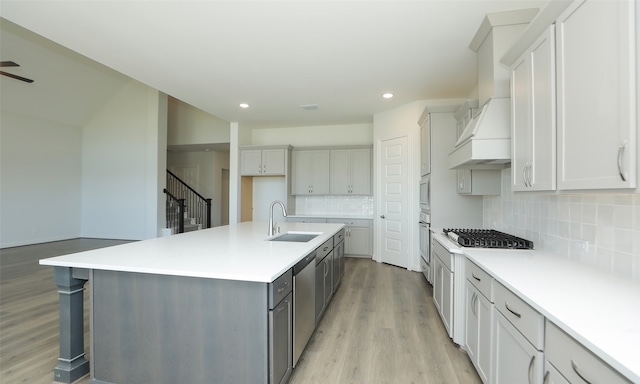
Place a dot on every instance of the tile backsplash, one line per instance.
(600, 229)
(335, 205)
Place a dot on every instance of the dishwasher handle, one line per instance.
(304, 262)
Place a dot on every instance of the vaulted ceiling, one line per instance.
(273, 55)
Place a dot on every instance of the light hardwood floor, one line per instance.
(381, 326)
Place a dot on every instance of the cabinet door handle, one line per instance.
(546, 378)
(473, 304)
(324, 249)
(474, 299)
(621, 149)
(529, 373)
(506, 305)
(474, 276)
(529, 173)
(524, 175)
(576, 369)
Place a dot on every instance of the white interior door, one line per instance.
(394, 198)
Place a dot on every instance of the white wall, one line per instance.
(237, 139)
(120, 178)
(210, 166)
(331, 135)
(157, 112)
(40, 178)
(190, 125)
(561, 223)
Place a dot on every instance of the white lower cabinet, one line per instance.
(305, 220)
(442, 282)
(442, 292)
(574, 362)
(509, 341)
(357, 237)
(552, 376)
(479, 320)
(516, 359)
(519, 339)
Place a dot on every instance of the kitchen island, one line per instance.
(198, 307)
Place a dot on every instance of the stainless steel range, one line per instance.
(486, 238)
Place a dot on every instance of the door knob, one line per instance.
(382, 216)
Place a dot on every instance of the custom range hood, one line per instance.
(485, 143)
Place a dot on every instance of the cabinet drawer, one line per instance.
(338, 237)
(574, 361)
(324, 250)
(280, 288)
(479, 278)
(305, 220)
(351, 222)
(443, 254)
(526, 319)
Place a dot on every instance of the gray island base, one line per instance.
(172, 329)
(171, 310)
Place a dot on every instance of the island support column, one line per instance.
(72, 364)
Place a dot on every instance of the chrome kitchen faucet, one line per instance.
(272, 225)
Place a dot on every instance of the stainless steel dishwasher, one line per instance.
(304, 305)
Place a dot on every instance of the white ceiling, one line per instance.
(274, 55)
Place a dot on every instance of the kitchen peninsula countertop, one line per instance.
(234, 252)
(599, 309)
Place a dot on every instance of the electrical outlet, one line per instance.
(582, 245)
(579, 247)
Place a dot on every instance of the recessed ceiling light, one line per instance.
(244, 105)
(387, 95)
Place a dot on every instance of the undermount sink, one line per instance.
(297, 237)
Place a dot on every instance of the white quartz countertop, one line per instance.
(233, 252)
(599, 309)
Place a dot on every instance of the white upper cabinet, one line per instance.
(425, 145)
(263, 162)
(351, 171)
(311, 172)
(597, 100)
(533, 122)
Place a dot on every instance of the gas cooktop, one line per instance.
(486, 238)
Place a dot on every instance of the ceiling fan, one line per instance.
(13, 64)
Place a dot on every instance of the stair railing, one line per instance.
(196, 205)
(175, 213)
